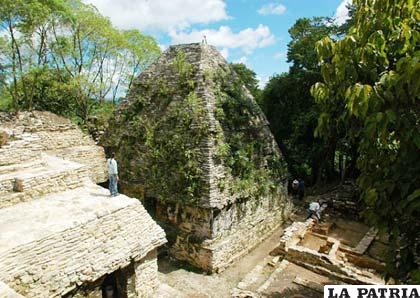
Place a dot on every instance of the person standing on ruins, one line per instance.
(301, 189)
(113, 175)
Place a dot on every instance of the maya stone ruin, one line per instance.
(195, 147)
(60, 233)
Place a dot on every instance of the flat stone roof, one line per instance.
(30, 221)
(7, 292)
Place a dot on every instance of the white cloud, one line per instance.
(279, 55)
(224, 52)
(242, 60)
(272, 8)
(342, 13)
(262, 81)
(247, 40)
(161, 15)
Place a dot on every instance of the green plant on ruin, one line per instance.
(166, 141)
(167, 125)
(185, 71)
(241, 147)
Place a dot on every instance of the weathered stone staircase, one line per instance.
(34, 179)
(258, 280)
(41, 157)
(58, 229)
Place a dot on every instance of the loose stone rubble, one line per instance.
(61, 235)
(216, 226)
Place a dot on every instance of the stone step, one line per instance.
(12, 157)
(88, 155)
(23, 146)
(257, 278)
(33, 163)
(56, 212)
(274, 274)
(52, 175)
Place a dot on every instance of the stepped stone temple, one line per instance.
(196, 148)
(61, 235)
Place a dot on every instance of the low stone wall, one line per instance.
(15, 156)
(293, 235)
(90, 156)
(328, 262)
(23, 188)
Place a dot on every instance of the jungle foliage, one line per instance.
(370, 92)
(248, 78)
(292, 111)
(65, 57)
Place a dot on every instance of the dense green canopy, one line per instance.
(370, 93)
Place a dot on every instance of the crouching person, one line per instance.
(314, 211)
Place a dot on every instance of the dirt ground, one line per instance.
(196, 284)
(192, 283)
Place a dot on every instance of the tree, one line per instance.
(52, 90)
(23, 22)
(370, 84)
(248, 77)
(90, 55)
(290, 108)
(304, 34)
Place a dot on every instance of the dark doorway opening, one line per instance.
(115, 284)
(109, 287)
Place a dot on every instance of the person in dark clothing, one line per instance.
(301, 189)
(295, 188)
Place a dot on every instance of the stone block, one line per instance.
(4, 137)
(18, 185)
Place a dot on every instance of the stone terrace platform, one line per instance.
(52, 245)
(37, 219)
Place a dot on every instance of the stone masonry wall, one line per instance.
(42, 184)
(212, 239)
(248, 230)
(137, 280)
(56, 265)
(146, 276)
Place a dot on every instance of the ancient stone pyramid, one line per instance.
(192, 136)
(190, 131)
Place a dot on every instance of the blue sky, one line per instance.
(250, 31)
